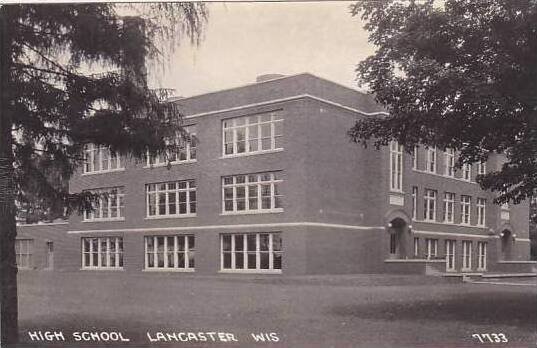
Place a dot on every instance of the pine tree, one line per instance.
(50, 106)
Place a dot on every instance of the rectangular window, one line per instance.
(481, 202)
(450, 255)
(171, 199)
(466, 202)
(23, 252)
(396, 167)
(431, 160)
(256, 193)
(109, 206)
(467, 172)
(429, 202)
(414, 202)
(416, 246)
(466, 255)
(432, 248)
(482, 168)
(482, 256)
(415, 155)
(449, 207)
(99, 159)
(252, 134)
(450, 163)
(251, 252)
(102, 253)
(185, 151)
(170, 252)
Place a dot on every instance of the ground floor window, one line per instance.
(393, 243)
(416, 246)
(432, 248)
(260, 252)
(450, 255)
(169, 252)
(102, 253)
(466, 255)
(23, 251)
(482, 256)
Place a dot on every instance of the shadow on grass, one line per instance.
(497, 308)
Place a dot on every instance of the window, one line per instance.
(23, 252)
(466, 255)
(102, 253)
(254, 252)
(482, 168)
(481, 202)
(467, 172)
(431, 160)
(465, 209)
(415, 155)
(396, 167)
(171, 199)
(416, 246)
(429, 212)
(432, 248)
(449, 207)
(252, 134)
(252, 193)
(99, 159)
(170, 252)
(414, 202)
(450, 255)
(393, 243)
(184, 152)
(450, 162)
(482, 256)
(109, 206)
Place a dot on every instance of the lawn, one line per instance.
(320, 311)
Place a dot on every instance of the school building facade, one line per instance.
(271, 184)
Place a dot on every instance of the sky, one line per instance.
(244, 40)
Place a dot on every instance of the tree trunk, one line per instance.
(8, 268)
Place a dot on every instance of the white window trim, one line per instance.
(274, 117)
(99, 266)
(446, 177)
(396, 167)
(188, 149)
(482, 256)
(431, 160)
(431, 248)
(466, 206)
(451, 247)
(429, 200)
(258, 268)
(415, 155)
(416, 246)
(466, 169)
(481, 204)
(98, 150)
(157, 191)
(187, 251)
(482, 168)
(272, 182)
(89, 216)
(449, 157)
(449, 202)
(414, 202)
(467, 247)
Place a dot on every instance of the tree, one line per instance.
(50, 108)
(459, 74)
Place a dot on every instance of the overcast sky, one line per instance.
(244, 40)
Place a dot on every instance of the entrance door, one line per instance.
(450, 255)
(49, 261)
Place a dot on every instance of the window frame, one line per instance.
(449, 207)
(190, 187)
(91, 151)
(119, 207)
(188, 252)
(190, 148)
(24, 250)
(481, 204)
(467, 255)
(466, 210)
(118, 253)
(482, 256)
(431, 248)
(466, 172)
(275, 180)
(396, 167)
(245, 252)
(414, 202)
(451, 261)
(449, 157)
(431, 160)
(429, 202)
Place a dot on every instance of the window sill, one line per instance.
(115, 269)
(447, 223)
(272, 211)
(245, 154)
(104, 220)
(161, 165)
(251, 271)
(165, 270)
(444, 176)
(104, 172)
(184, 216)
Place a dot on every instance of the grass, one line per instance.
(320, 311)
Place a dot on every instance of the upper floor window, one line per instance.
(431, 160)
(415, 154)
(414, 202)
(449, 207)
(481, 202)
(184, 152)
(23, 252)
(102, 253)
(396, 166)
(429, 199)
(482, 168)
(465, 209)
(450, 162)
(99, 159)
(467, 172)
(171, 199)
(110, 205)
(252, 134)
(252, 193)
